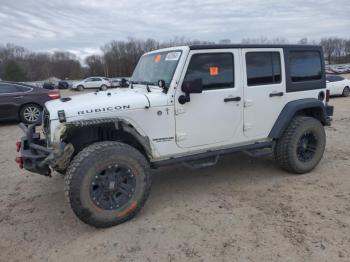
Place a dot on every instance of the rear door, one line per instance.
(11, 98)
(264, 90)
(97, 82)
(332, 85)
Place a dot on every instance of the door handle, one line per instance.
(276, 94)
(230, 99)
(18, 96)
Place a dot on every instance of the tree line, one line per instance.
(119, 58)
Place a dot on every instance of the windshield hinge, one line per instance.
(180, 136)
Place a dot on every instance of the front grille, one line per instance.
(46, 122)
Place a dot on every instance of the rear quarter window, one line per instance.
(305, 69)
(305, 66)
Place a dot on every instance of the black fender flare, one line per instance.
(292, 108)
(120, 124)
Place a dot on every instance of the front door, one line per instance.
(215, 115)
(264, 90)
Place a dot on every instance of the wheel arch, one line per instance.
(83, 133)
(307, 107)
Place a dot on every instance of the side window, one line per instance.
(338, 78)
(22, 89)
(8, 88)
(215, 69)
(305, 65)
(263, 68)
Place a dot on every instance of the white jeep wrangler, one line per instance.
(187, 105)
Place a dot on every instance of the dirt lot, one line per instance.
(243, 209)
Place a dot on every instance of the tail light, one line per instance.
(19, 161)
(18, 146)
(327, 95)
(54, 94)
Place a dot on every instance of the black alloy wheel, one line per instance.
(113, 187)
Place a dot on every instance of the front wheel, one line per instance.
(80, 88)
(107, 183)
(103, 87)
(301, 146)
(346, 91)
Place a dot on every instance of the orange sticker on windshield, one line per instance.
(157, 58)
(213, 70)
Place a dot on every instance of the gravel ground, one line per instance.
(242, 209)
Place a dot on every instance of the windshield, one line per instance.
(156, 66)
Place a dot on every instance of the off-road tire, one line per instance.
(104, 88)
(84, 168)
(346, 91)
(80, 88)
(285, 150)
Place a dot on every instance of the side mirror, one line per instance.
(190, 87)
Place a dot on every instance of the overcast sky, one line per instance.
(83, 26)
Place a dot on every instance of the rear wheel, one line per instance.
(107, 183)
(30, 113)
(301, 146)
(346, 91)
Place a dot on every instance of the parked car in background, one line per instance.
(338, 85)
(115, 83)
(63, 84)
(101, 83)
(23, 102)
(49, 85)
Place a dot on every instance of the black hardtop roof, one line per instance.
(227, 46)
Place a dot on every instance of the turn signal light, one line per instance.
(19, 161)
(18, 146)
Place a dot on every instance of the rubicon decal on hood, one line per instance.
(103, 109)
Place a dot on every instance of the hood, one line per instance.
(105, 103)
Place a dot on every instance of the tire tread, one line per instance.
(70, 186)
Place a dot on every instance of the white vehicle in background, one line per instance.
(92, 82)
(338, 85)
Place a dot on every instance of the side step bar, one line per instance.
(215, 153)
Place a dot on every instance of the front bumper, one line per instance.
(36, 157)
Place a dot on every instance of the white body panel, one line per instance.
(207, 120)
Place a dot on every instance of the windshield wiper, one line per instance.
(147, 85)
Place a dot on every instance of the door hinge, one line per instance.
(180, 136)
(248, 102)
(247, 126)
(179, 111)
